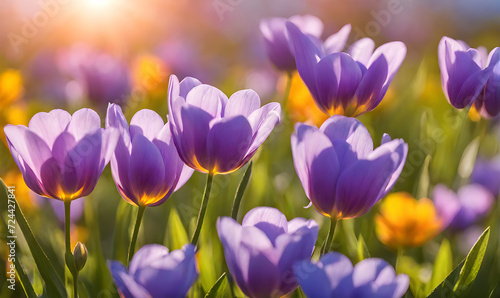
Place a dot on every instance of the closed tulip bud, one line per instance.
(80, 254)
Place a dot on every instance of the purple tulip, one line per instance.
(105, 78)
(214, 134)
(471, 203)
(341, 173)
(145, 166)
(276, 40)
(487, 174)
(154, 272)
(60, 155)
(349, 83)
(334, 276)
(464, 73)
(261, 251)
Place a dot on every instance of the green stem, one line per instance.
(75, 284)
(241, 191)
(329, 238)
(138, 221)
(203, 209)
(287, 89)
(399, 260)
(68, 257)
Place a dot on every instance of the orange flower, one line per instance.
(150, 74)
(301, 106)
(406, 222)
(11, 86)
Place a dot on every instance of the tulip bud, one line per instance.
(80, 255)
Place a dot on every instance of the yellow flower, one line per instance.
(23, 194)
(406, 222)
(11, 86)
(150, 74)
(301, 106)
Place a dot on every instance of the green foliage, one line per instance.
(53, 283)
(219, 288)
(459, 281)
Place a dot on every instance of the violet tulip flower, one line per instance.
(61, 155)
(468, 75)
(260, 252)
(105, 78)
(145, 165)
(487, 173)
(214, 134)
(334, 276)
(472, 202)
(342, 175)
(156, 272)
(277, 44)
(349, 83)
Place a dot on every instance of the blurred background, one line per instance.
(71, 54)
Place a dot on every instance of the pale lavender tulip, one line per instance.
(261, 251)
(214, 134)
(471, 203)
(156, 272)
(60, 155)
(334, 276)
(145, 165)
(349, 83)
(342, 175)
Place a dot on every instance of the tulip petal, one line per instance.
(49, 125)
(263, 121)
(146, 122)
(191, 143)
(308, 24)
(362, 50)
(269, 220)
(24, 140)
(146, 169)
(207, 98)
(394, 54)
(337, 78)
(82, 122)
(401, 148)
(307, 56)
(243, 102)
(227, 143)
(336, 42)
(148, 255)
(359, 186)
(126, 284)
(351, 131)
(116, 119)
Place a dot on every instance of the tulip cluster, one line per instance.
(343, 173)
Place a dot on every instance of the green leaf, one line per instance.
(240, 191)
(468, 159)
(177, 235)
(54, 286)
(122, 234)
(458, 282)
(443, 265)
(362, 249)
(445, 289)
(472, 263)
(219, 288)
(25, 281)
(424, 180)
